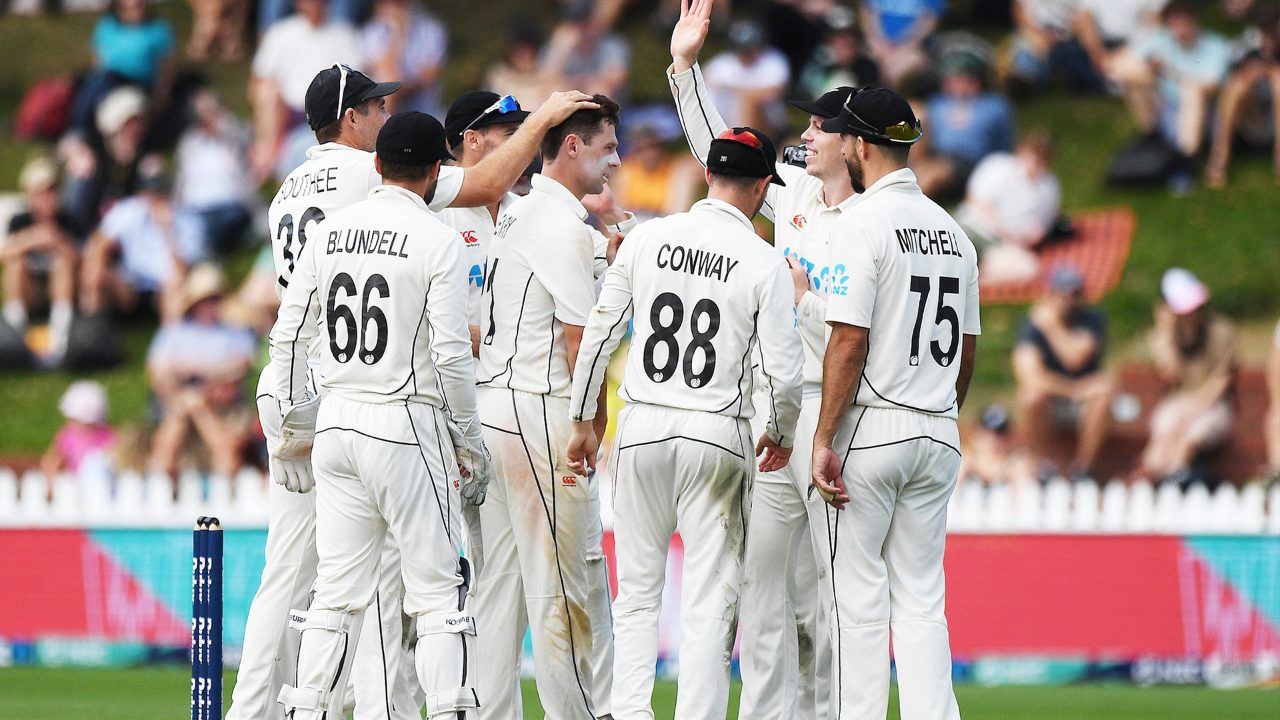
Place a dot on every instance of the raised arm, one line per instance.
(487, 182)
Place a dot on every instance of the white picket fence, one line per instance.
(132, 500)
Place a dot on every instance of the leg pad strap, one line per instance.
(303, 699)
(457, 699)
(441, 623)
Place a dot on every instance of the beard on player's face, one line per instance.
(853, 164)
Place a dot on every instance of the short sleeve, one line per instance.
(264, 61)
(972, 315)
(448, 186)
(984, 182)
(118, 218)
(856, 251)
(563, 262)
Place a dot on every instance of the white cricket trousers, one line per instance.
(786, 640)
(687, 471)
(899, 469)
(270, 648)
(537, 525)
(385, 468)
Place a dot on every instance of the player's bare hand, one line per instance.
(826, 477)
(557, 108)
(773, 457)
(582, 448)
(690, 32)
(604, 206)
(799, 278)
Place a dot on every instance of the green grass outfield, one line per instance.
(142, 694)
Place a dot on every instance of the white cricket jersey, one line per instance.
(702, 291)
(914, 283)
(332, 177)
(803, 224)
(383, 286)
(540, 276)
(475, 225)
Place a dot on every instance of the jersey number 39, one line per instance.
(704, 323)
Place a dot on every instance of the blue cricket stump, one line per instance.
(206, 619)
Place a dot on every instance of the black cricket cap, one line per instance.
(826, 106)
(878, 115)
(474, 110)
(337, 88)
(412, 138)
(744, 152)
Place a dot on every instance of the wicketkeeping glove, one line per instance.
(298, 430)
(294, 475)
(474, 463)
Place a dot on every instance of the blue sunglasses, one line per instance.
(505, 104)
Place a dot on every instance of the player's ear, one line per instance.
(571, 144)
(377, 164)
(706, 175)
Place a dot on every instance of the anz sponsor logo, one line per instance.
(825, 280)
(475, 276)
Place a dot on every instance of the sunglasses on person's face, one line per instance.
(505, 104)
(901, 132)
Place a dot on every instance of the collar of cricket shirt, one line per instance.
(543, 184)
(325, 148)
(900, 180)
(395, 191)
(713, 205)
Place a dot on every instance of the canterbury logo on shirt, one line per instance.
(798, 221)
(469, 238)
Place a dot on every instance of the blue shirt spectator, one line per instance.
(135, 50)
(898, 16)
(970, 127)
(149, 237)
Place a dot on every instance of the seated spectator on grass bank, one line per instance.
(103, 168)
(965, 123)
(1194, 351)
(1249, 104)
(85, 435)
(747, 81)
(841, 60)
(896, 32)
(140, 254)
(39, 257)
(1043, 47)
(213, 178)
(131, 47)
(197, 368)
(992, 453)
(1010, 206)
(404, 42)
(1058, 367)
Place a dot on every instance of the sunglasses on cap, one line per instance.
(901, 132)
(744, 137)
(505, 104)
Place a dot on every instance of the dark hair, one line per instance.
(329, 133)
(739, 182)
(148, 14)
(400, 171)
(1185, 8)
(586, 124)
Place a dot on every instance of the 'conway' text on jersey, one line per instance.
(696, 262)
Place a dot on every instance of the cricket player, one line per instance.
(785, 642)
(538, 525)
(346, 110)
(886, 451)
(706, 294)
(477, 123)
(385, 281)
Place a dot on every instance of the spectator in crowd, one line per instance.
(966, 123)
(1171, 90)
(39, 257)
(142, 250)
(1043, 45)
(1252, 86)
(584, 55)
(103, 168)
(197, 366)
(85, 433)
(255, 302)
(404, 42)
(1010, 205)
(792, 26)
(1104, 29)
(1057, 363)
(131, 47)
(1272, 428)
(1194, 350)
(897, 30)
(840, 61)
(217, 25)
(519, 72)
(213, 179)
(748, 80)
(652, 181)
(291, 53)
(992, 454)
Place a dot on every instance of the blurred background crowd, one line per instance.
(137, 284)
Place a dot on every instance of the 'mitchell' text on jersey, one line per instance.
(703, 263)
(927, 242)
(366, 242)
